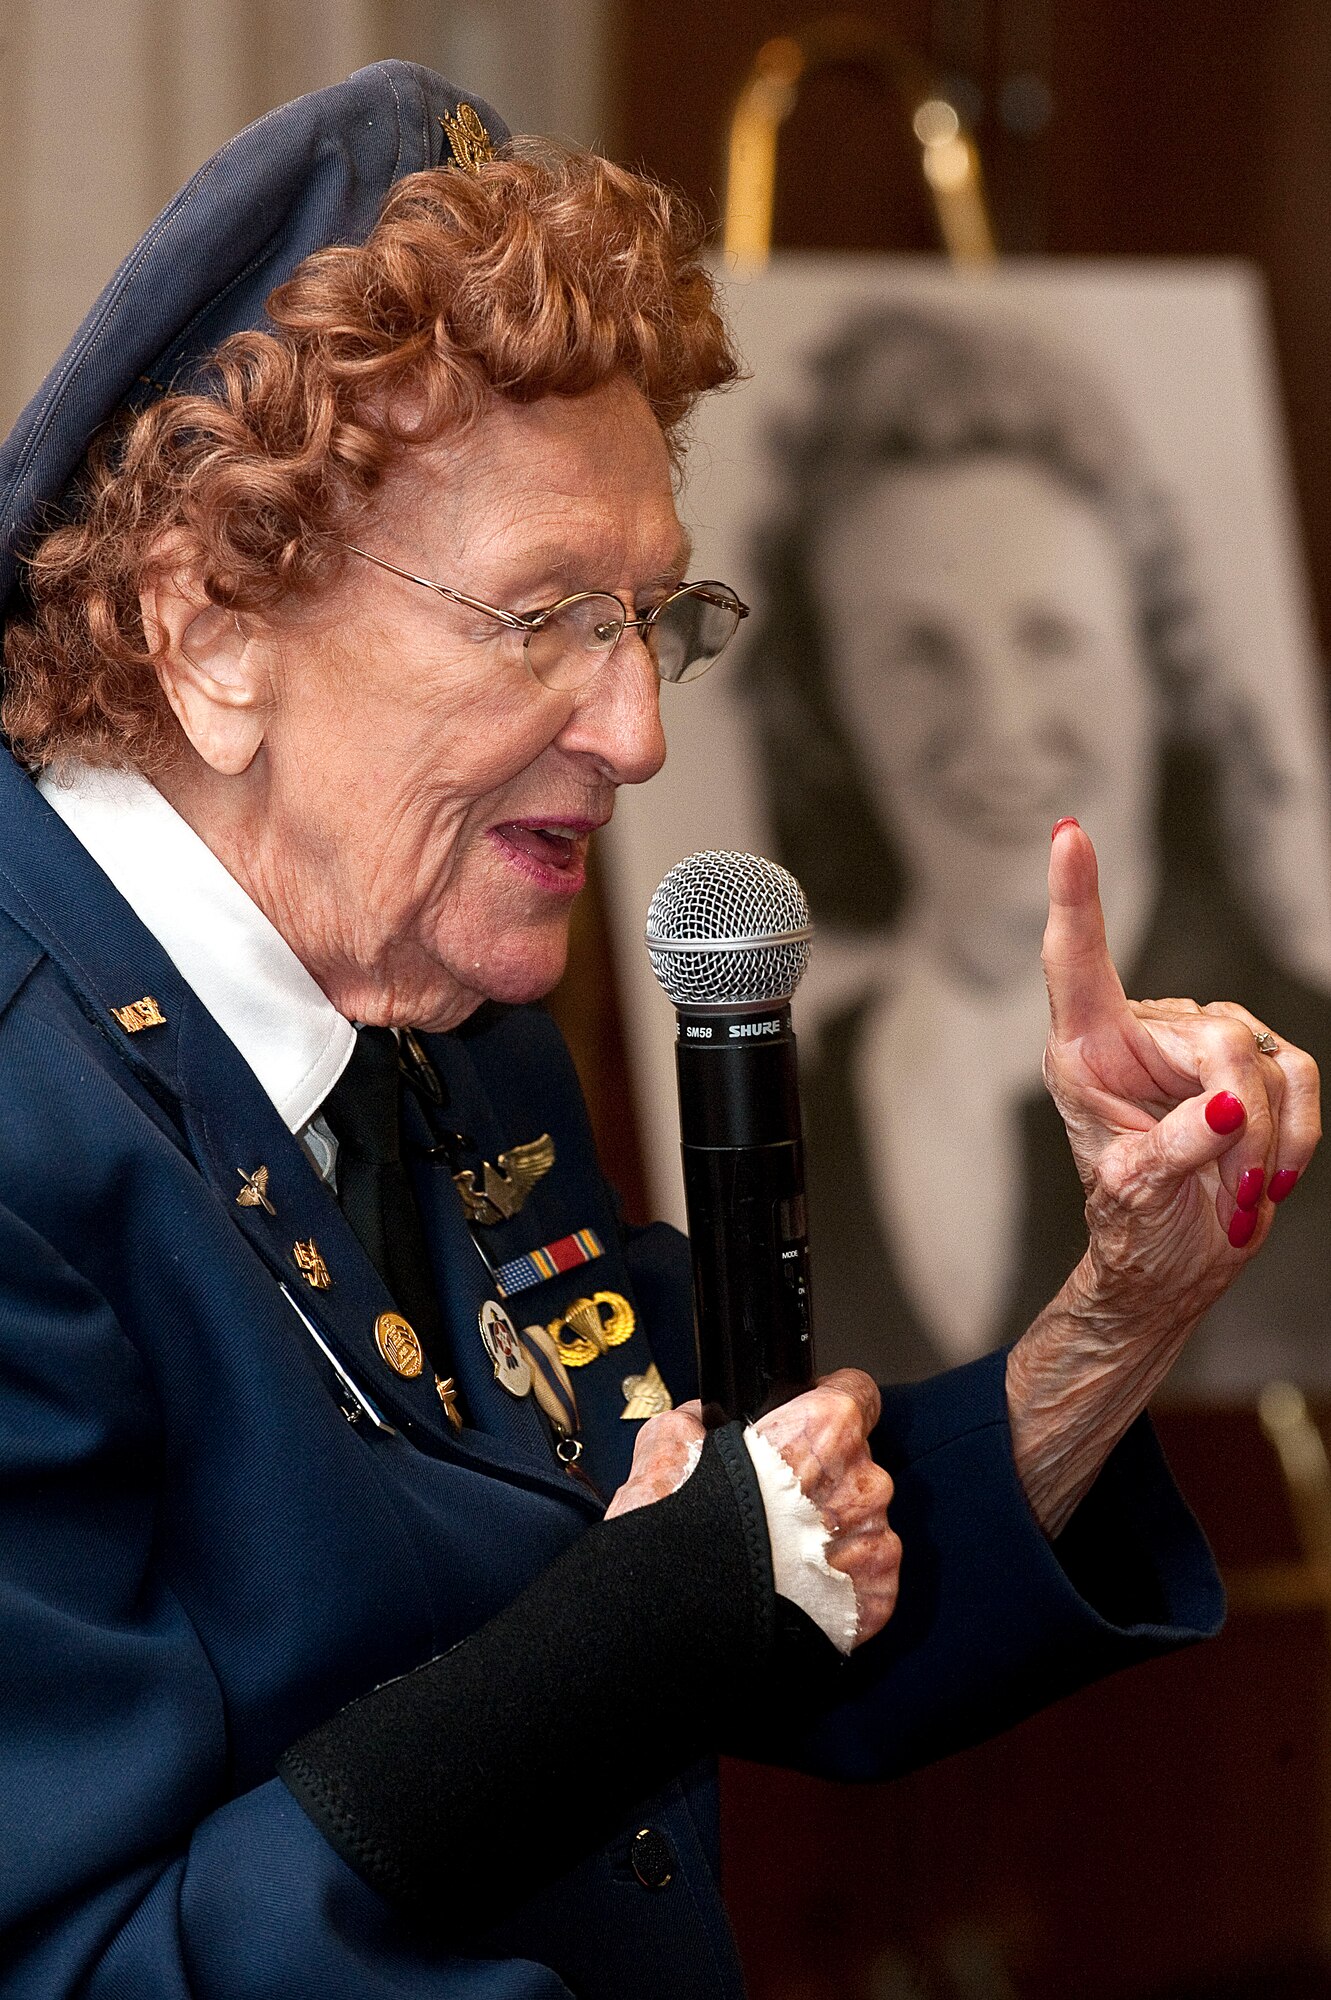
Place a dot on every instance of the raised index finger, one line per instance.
(1084, 988)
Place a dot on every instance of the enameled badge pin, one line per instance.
(511, 1366)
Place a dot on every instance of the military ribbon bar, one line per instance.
(535, 1266)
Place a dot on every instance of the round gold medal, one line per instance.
(398, 1342)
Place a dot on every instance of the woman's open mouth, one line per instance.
(552, 853)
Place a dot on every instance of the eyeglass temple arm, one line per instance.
(513, 619)
(532, 621)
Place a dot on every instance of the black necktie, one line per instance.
(373, 1187)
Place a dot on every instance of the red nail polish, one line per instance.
(1251, 1182)
(1059, 825)
(1284, 1183)
(1225, 1112)
(1241, 1225)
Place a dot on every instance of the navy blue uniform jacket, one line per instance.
(200, 1558)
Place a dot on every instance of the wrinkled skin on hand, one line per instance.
(1132, 1080)
(1176, 1201)
(663, 1456)
(823, 1437)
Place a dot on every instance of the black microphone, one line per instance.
(729, 936)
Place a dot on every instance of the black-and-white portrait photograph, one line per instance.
(986, 597)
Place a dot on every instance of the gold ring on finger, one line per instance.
(1267, 1044)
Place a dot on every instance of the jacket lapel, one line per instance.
(156, 1025)
(490, 1096)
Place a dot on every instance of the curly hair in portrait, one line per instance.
(548, 274)
(909, 387)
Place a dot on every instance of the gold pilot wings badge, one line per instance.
(504, 1188)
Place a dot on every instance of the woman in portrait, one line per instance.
(976, 617)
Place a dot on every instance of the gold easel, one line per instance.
(949, 156)
(1301, 1452)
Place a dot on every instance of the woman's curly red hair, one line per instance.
(547, 273)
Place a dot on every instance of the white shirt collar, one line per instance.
(221, 943)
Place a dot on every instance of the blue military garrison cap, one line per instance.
(312, 173)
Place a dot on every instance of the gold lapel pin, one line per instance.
(310, 1264)
(137, 1015)
(589, 1327)
(504, 1188)
(254, 1191)
(645, 1395)
(399, 1344)
(448, 1396)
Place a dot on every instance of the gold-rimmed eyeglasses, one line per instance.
(569, 642)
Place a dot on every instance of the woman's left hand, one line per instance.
(1185, 1134)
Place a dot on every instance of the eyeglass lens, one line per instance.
(687, 634)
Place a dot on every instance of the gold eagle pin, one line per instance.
(505, 1187)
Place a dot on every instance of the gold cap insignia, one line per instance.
(254, 1191)
(137, 1015)
(589, 1326)
(310, 1264)
(645, 1395)
(504, 1188)
(399, 1344)
(468, 139)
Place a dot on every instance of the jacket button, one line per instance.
(650, 1858)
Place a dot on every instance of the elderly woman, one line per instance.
(976, 614)
(328, 1667)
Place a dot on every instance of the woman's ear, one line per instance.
(216, 675)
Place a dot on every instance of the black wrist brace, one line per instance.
(619, 1666)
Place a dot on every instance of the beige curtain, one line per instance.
(106, 106)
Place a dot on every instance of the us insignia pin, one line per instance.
(254, 1192)
(137, 1015)
(500, 1336)
(310, 1264)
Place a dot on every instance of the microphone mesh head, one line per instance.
(727, 929)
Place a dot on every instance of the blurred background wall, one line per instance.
(107, 106)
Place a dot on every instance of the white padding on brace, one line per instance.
(799, 1537)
